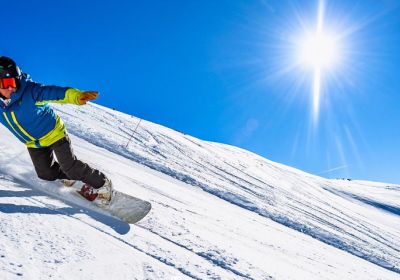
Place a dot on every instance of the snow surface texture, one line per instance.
(219, 212)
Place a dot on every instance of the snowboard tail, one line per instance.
(124, 207)
(128, 208)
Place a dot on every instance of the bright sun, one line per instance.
(319, 51)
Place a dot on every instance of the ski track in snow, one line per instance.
(219, 212)
(45, 208)
(175, 147)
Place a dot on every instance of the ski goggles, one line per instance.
(8, 82)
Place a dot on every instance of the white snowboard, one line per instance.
(126, 208)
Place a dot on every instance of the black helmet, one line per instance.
(8, 68)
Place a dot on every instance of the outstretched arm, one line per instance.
(62, 95)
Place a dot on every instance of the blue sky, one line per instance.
(226, 71)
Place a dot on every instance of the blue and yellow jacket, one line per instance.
(30, 118)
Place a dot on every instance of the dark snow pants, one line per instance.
(65, 166)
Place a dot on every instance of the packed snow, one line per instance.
(218, 212)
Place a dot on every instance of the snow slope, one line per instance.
(219, 212)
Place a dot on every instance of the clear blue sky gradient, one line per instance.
(224, 71)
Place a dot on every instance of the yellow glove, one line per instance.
(85, 96)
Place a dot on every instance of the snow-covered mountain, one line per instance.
(219, 212)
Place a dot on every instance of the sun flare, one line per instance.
(318, 50)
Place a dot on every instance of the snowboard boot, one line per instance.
(101, 196)
(68, 183)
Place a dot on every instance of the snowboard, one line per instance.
(124, 207)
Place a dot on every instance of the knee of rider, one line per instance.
(48, 176)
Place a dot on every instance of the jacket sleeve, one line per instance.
(55, 94)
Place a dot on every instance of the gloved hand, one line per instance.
(85, 96)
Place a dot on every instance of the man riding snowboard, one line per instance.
(26, 113)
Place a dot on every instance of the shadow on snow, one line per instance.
(73, 209)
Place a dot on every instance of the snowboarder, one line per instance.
(26, 113)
